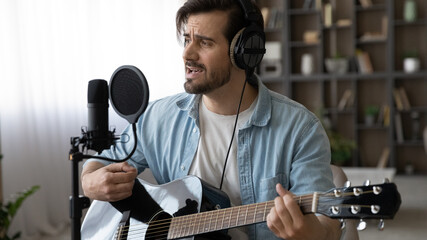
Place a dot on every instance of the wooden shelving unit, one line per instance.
(380, 30)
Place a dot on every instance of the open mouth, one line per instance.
(193, 70)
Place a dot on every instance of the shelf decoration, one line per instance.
(410, 11)
(336, 65)
(307, 64)
(271, 65)
(411, 62)
(371, 112)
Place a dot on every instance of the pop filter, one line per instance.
(129, 92)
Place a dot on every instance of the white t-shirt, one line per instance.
(215, 135)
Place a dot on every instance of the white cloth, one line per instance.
(215, 135)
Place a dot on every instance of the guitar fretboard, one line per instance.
(211, 221)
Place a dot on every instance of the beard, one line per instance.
(211, 81)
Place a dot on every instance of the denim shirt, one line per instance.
(282, 142)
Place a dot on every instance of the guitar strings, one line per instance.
(162, 227)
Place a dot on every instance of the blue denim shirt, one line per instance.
(282, 142)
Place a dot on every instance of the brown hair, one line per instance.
(236, 18)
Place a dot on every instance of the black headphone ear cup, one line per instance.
(233, 44)
(248, 47)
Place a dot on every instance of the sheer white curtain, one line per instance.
(49, 50)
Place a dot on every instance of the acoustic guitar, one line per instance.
(188, 207)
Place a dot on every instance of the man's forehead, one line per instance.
(206, 23)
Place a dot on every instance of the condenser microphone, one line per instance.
(98, 135)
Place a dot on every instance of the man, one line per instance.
(277, 143)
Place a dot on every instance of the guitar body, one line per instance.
(102, 220)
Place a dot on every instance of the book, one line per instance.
(307, 4)
(383, 160)
(365, 3)
(404, 99)
(386, 116)
(398, 99)
(344, 99)
(384, 26)
(327, 15)
(399, 130)
(364, 62)
(380, 119)
(311, 36)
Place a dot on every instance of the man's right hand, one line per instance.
(111, 183)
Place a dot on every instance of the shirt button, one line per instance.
(182, 167)
(194, 130)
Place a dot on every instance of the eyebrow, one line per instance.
(199, 37)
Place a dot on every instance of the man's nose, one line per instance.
(190, 52)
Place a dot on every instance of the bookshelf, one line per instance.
(356, 50)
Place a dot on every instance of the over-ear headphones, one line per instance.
(248, 46)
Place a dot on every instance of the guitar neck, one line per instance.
(210, 221)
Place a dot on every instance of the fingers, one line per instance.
(120, 167)
(285, 218)
(110, 183)
(120, 173)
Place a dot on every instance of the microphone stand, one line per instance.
(77, 201)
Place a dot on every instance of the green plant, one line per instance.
(371, 110)
(410, 54)
(8, 211)
(341, 147)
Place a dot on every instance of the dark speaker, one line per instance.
(248, 46)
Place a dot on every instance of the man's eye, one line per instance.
(186, 41)
(205, 43)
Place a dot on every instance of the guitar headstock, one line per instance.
(378, 201)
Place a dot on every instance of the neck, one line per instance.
(225, 99)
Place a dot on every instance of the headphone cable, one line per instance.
(234, 128)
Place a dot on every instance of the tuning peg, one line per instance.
(377, 190)
(347, 184)
(367, 182)
(361, 226)
(381, 225)
(343, 224)
(386, 180)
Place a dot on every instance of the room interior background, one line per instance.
(49, 50)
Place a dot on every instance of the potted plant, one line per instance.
(341, 147)
(9, 209)
(411, 62)
(371, 112)
(337, 64)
